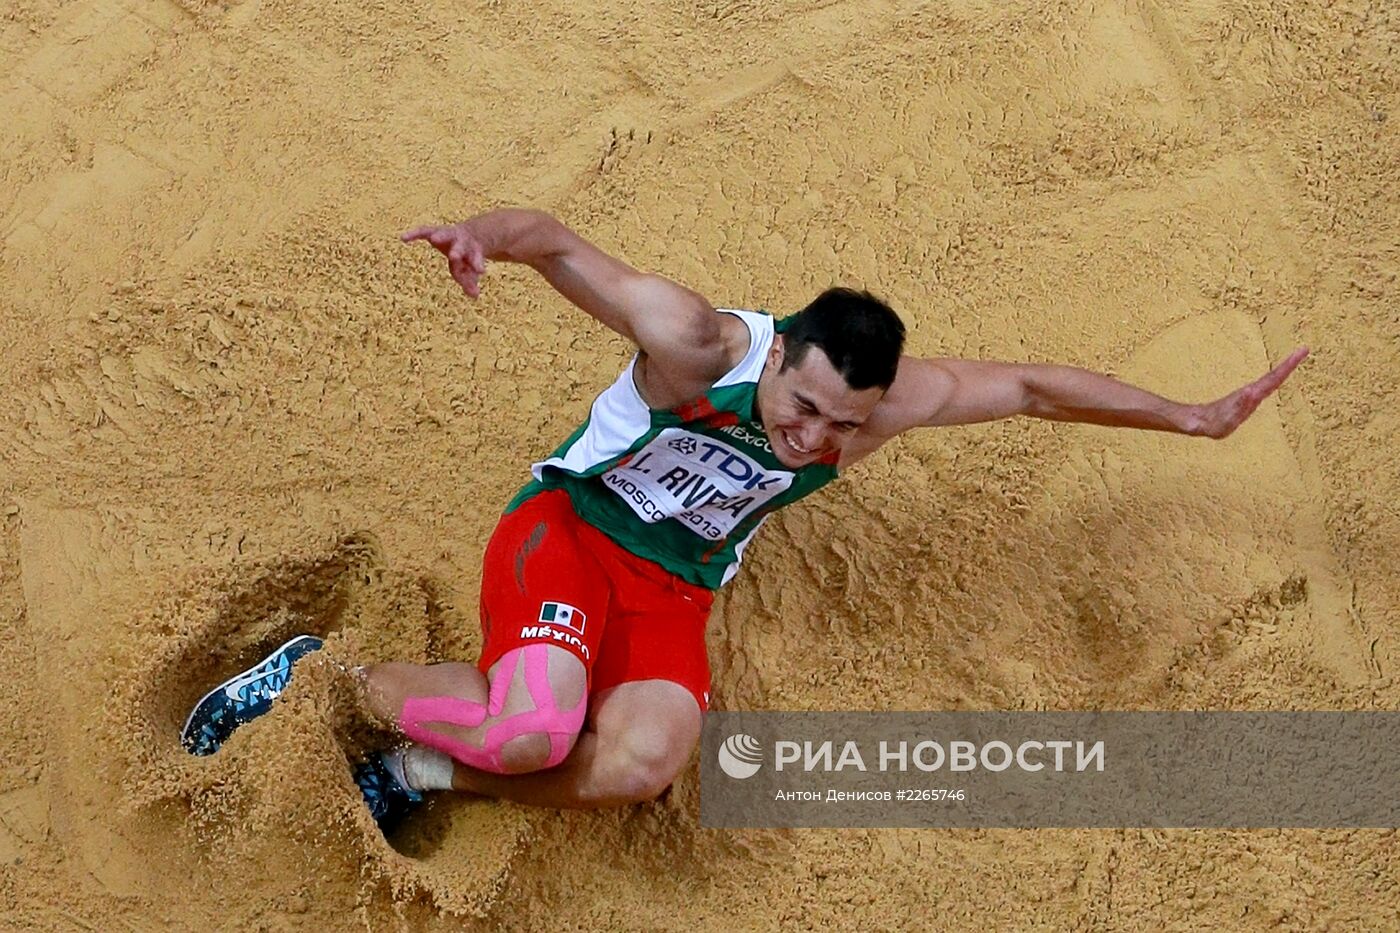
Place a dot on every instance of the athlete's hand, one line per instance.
(1220, 418)
(465, 257)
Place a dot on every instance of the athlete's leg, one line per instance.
(651, 681)
(522, 715)
(544, 602)
(641, 735)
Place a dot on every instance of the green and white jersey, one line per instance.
(686, 487)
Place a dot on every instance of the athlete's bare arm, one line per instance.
(937, 392)
(672, 325)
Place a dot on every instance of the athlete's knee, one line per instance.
(645, 784)
(509, 742)
(649, 762)
(529, 741)
(534, 751)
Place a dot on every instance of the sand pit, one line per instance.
(234, 407)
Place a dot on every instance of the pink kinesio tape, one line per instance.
(562, 726)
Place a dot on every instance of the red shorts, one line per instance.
(549, 576)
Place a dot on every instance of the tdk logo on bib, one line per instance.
(702, 482)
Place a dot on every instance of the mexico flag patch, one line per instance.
(564, 615)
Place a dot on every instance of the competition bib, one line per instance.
(705, 484)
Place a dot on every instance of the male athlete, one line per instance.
(598, 580)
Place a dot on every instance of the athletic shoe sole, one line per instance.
(243, 697)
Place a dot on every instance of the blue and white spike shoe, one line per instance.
(385, 789)
(243, 697)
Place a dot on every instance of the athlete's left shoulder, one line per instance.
(919, 387)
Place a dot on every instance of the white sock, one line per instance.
(420, 768)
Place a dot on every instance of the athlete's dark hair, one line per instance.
(861, 335)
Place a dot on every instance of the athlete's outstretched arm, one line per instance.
(666, 320)
(929, 393)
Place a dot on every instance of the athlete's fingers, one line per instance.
(462, 274)
(1274, 378)
(475, 258)
(1253, 394)
(1283, 370)
(417, 233)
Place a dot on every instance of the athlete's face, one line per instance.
(809, 411)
